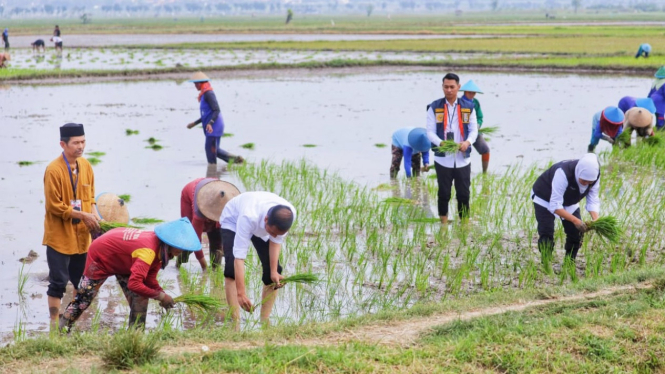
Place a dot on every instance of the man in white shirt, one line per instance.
(262, 219)
(452, 119)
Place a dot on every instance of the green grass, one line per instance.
(126, 349)
(248, 146)
(25, 163)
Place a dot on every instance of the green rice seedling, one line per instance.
(93, 160)
(96, 154)
(227, 135)
(155, 147)
(248, 146)
(129, 348)
(146, 220)
(623, 138)
(426, 220)
(152, 140)
(309, 145)
(22, 280)
(488, 130)
(106, 226)
(380, 145)
(19, 331)
(398, 200)
(303, 278)
(203, 303)
(608, 228)
(131, 132)
(447, 146)
(25, 163)
(125, 197)
(654, 141)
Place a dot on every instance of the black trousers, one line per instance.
(462, 179)
(546, 232)
(262, 249)
(62, 269)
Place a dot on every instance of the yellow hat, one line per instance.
(199, 77)
(112, 208)
(212, 197)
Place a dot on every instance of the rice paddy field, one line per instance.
(396, 291)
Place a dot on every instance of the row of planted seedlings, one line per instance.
(375, 253)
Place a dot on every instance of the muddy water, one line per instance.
(541, 118)
(120, 59)
(158, 39)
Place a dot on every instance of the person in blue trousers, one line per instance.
(606, 125)
(410, 143)
(212, 122)
(644, 50)
(657, 94)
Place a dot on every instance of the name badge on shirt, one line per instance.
(466, 115)
(439, 117)
(76, 205)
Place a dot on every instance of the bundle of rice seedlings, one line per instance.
(304, 278)
(607, 227)
(654, 141)
(488, 130)
(448, 146)
(203, 303)
(623, 138)
(106, 226)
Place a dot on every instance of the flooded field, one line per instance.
(122, 59)
(157, 39)
(541, 118)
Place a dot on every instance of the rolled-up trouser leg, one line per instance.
(87, 291)
(396, 160)
(215, 246)
(138, 305)
(573, 236)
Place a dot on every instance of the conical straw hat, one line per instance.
(112, 208)
(199, 77)
(638, 117)
(212, 197)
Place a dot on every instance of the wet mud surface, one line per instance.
(541, 118)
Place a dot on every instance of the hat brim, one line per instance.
(198, 80)
(213, 197)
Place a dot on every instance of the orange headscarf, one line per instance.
(205, 87)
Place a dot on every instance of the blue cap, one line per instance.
(646, 103)
(470, 86)
(613, 115)
(179, 234)
(418, 140)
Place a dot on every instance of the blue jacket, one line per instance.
(657, 94)
(465, 108)
(209, 111)
(596, 133)
(401, 141)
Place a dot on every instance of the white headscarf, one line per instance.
(587, 168)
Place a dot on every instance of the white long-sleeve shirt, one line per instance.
(245, 214)
(449, 160)
(559, 186)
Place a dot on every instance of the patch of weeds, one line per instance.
(309, 145)
(25, 163)
(155, 147)
(125, 197)
(380, 145)
(227, 135)
(97, 154)
(131, 132)
(248, 145)
(93, 160)
(146, 220)
(597, 347)
(126, 349)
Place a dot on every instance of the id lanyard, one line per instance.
(71, 177)
(451, 115)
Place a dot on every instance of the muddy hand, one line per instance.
(245, 303)
(581, 226)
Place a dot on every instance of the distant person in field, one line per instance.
(556, 195)
(470, 90)
(657, 94)
(58, 43)
(56, 31)
(643, 51)
(606, 125)
(5, 39)
(211, 119)
(412, 144)
(37, 44)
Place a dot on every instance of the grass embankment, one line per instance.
(378, 23)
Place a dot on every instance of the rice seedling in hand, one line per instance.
(623, 139)
(654, 141)
(203, 303)
(447, 146)
(607, 227)
(303, 278)
(106, 226)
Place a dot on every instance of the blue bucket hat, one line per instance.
(179, 234)
(646, 103)
(418, 140)
(470, 86)
(613, 115)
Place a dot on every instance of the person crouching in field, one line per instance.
(37, 44)
(410, 143)
(134, 257)
(557, 193)
(606, 125)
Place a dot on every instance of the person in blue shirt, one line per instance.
(211, 120)
(657, 94)
(644, 50)
(410, 143)
(5, 38)
(607, 125)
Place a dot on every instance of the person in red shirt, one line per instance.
(134, 256)
(202, 201)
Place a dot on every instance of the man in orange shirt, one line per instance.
(69, 190)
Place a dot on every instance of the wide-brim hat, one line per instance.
(638, 118)
(613, 115)
(112, 208)
(199, 77)
(179, 234)
(660, 74)
(470, 86)
(418, 140)
(213, 196)
(646, 103)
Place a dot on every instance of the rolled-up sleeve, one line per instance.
(431, 128)
(592, 199)
(244, 231)
(53, 196)
(473, 128)
(559, 185)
